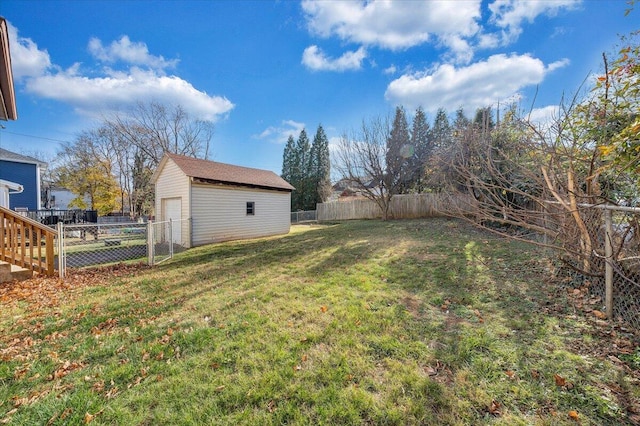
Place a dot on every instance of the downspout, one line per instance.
(38, 181)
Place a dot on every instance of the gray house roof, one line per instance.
(19, 158)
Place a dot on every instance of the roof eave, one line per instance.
(7, 94)
(246, 185)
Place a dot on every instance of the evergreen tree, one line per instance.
(441, 131)
(300, 171)
(320, 170)
(421, 141)
(287, 160)
(400, 151)
(461, 122)
(484, 119)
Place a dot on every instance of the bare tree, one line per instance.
(138, 140)
(536, 183)
(155, 129)
(361, 160)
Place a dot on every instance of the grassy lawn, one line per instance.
(366, 322)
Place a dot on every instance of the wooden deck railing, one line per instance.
(26, 242)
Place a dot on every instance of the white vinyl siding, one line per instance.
(172, 183)
(219, 213)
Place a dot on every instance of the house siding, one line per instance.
(219, 213)
(173, 183)
(27, 176)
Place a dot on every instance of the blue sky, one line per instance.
(262, 70)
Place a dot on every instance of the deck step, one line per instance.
(9, 272)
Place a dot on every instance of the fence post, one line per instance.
(150, 242)
(608, 274)
(61, 260)
(170, 239)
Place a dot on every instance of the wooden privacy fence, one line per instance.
(406, 206)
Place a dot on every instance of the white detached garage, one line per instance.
(225, 202)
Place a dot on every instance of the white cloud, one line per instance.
(96, 96)
(26, 59)
(481, 84)
(390, 24)
(456, 26)
(558, 64)
(390, 70)
(134, 53)
(114, 89)
(510, 14)
(544, 117)
(280, 134)
(315, 59)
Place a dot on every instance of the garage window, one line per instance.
(251, 208)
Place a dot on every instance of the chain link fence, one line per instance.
(304, 216)
(613, 277)
(82, 245)
(619, 263)
(167, 238)
(85, 245)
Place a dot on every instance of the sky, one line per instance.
(263, 70)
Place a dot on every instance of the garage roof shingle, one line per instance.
(228, 173)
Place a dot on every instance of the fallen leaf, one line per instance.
(535, 374)
(573, 415)
(98, 386)
(88, 417)
(599, 314)
(220, 388)
(511, 374)
(431, 371)
(494, 408)
(65, 413)
(297, 368)
(560, 381)
(323, 308)
(111, 392)
(304, 358)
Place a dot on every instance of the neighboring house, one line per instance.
(23, 170)
(225, 202)
(347, 190)
(58, 198)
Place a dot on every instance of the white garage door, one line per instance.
(172, 209)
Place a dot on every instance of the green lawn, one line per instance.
(366, 322)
